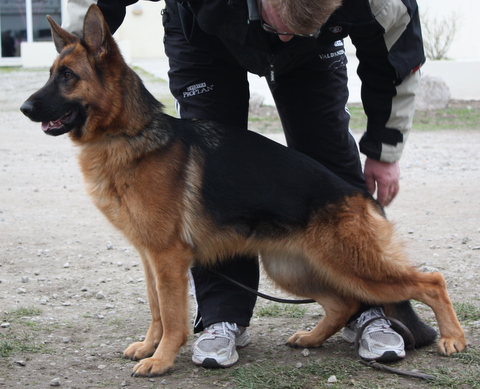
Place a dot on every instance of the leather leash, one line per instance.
(262, 295)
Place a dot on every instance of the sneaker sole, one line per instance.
(210, 363)
(387, 356)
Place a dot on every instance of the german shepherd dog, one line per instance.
(190, 190)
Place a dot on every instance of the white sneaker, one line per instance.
(379, 341)
(216, 346)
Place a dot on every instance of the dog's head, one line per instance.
(80, 94)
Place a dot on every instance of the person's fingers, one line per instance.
(370, 182)
(386, 193)
(395, 189)
(383, 194)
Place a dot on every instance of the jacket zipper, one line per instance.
(272, 70)
(271, 57)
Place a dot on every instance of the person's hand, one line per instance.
(383, 177)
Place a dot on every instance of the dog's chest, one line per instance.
(108, 196)
(142, 198)
(107, 186)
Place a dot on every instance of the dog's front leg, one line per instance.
(169, 317)
(140, 350)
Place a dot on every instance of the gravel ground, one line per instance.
(72, 292)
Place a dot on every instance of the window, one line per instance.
(25, 20)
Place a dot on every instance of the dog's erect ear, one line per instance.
(95, 30)
(61, 38)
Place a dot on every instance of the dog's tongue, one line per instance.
(45, 126)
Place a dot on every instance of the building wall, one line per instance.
(143, 28)
(460, 70)
(466, 44)
(144, 20)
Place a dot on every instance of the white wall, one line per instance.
(143, 28)
(460, 72)
(38, 54)
(460, 76)
(466, 44)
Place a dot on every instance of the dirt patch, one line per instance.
(73, 293)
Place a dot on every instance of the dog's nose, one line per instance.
(27, 108)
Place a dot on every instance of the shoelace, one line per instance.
(377, 325)
(374, 325)
(223, 329)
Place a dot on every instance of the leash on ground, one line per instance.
(373, 364)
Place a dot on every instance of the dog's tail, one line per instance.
(423, 334)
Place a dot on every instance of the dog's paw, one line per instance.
(304, 339)
(449, 345)
(151, 367)
(138, 350)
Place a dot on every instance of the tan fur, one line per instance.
(347, 254)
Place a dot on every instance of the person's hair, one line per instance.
(304, 16)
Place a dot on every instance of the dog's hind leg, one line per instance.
(140, 350)
(170, 270)
(422, 333)
(430, 288)
(337, 312)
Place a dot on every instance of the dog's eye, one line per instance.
(66, 76)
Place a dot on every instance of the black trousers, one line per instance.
(311, 101)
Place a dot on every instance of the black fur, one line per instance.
(423, 334)
(268, 184)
